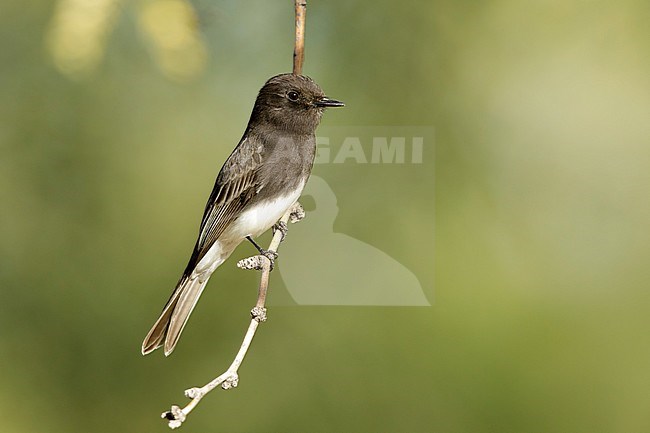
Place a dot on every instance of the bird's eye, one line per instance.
(293, 96)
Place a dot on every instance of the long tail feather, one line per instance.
(167, 329)
(186, 303)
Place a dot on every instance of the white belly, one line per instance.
(258, 219)
(253, 222)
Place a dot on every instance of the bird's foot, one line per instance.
(281, 226)
(271, 255)
(257, 262)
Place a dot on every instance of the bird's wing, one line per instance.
(236, 184)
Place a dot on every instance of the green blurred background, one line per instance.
(116, 116)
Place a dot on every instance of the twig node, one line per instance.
(259, 314)
(231, 382)
(193, 393)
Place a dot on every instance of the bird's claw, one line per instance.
(281, 226)
(271, 255)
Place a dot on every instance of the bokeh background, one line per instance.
(526, 223)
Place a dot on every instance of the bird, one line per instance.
(258, 183)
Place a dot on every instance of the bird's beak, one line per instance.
(327, 102)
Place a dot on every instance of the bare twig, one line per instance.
(230, 378)
(299, 47)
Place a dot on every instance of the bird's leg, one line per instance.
(257, 247)
(271, 255)
(281, 226)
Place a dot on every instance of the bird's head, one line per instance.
(292, 103)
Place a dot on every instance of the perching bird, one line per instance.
(261, 179)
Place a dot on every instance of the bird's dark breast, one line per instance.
(288, 160)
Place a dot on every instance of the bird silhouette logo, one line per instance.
(321, 267)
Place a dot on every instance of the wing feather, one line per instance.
(236, 184)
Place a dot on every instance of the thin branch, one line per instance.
(299, 46)
(230, 378)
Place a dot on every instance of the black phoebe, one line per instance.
(261, 179)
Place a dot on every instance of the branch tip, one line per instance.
(251, 263)
(175, 416)
(297, 213)
(299, 45)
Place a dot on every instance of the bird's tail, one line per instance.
(167, 329)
